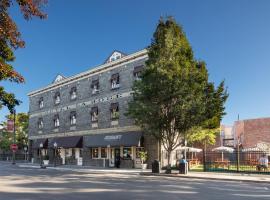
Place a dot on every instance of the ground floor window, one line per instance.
(138, 150)
(95, 153)
(127, 152)
(103, 153)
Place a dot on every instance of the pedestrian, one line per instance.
(263, 163)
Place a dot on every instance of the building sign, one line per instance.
(112, 137)
(10, 125)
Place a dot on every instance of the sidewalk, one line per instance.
(259, 178)
(85, 169)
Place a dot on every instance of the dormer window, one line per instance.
(73, 118)
(57, 98)
(115, 56)
(137, 72)
(40, 123)
(94, 114)
(95, 86)
(115, 81)
(114, 111)
(56, 121)
(41, 102)
(73, 93)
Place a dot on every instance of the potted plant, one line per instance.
(46, 160)
(143, 157)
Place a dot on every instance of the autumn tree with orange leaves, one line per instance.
(10, 40)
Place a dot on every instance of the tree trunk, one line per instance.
(169, 170)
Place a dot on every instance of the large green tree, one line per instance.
(10, 39)
(174, 94)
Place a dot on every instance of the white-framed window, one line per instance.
(73, 93)
(103, 152)
(95, 86)
(40, 123)
(57, 98)
(94, 152)
(41, 102)
(115, 81)
(56, 121)
(94, 114)
(127, 152)
(114, 111)
(73, 118)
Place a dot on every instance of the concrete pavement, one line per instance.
(197, 175)
(21, 183)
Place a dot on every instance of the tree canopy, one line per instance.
(21, 124)
(10, 40)
(174, 93)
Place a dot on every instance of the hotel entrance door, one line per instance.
(117, 157)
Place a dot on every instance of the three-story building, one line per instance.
(81, 119)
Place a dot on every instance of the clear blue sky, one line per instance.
(233, 37)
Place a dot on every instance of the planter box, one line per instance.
(144, 166)
(46, 162)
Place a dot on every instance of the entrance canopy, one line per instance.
(66, 142)
(37, 142)
(113, 139)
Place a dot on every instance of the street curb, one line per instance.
(86, 170)
(200, 177)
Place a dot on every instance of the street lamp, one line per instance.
(55, 149)
(25, 152)
(41, 147)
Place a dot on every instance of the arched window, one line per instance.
(41, 102)
(73, 118)
(73, 93)
(57, 98)
(40, 123)
(56, 121)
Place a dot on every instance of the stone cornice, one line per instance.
(105, 67)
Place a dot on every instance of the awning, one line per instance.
(115, 76)
(94, 110)
(37, 142)
(94, 82)
(114, 106)
(113, 139)
(138, 69)
(67, 142)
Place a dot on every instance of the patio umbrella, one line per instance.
(223, 149)
(191, 149)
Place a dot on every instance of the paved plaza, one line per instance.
(48, 184)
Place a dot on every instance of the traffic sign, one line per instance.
(14, 147)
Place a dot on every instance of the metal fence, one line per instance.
(18, 157)
(238, 161)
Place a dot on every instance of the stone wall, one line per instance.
(84, 102)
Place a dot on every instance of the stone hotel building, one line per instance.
(81, 119)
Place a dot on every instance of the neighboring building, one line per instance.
(84, 116)
(252, 133)
(227, 136)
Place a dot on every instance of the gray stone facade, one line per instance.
(85, 101)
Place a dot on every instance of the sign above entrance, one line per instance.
(113, 137)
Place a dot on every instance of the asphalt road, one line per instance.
(49, 184)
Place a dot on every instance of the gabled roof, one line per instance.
(113, 56)
(58, 78)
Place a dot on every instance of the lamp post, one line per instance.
(25, 152)
(186, 163)
(55, 149)
(41, 147)
(14, 137)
